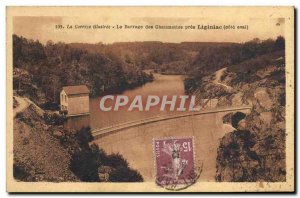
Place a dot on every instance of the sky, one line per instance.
(43, 28)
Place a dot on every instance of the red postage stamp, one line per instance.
(174, 162)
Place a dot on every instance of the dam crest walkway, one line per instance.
(101, 132)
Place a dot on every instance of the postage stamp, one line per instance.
(174, 162)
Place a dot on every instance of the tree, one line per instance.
(279, 43)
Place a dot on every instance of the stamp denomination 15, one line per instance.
(174, 161)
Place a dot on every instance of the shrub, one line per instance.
(84, 164)
(54, 119)
(125, 174)
(116, 160)
(20, 172)
(84, 136)
(24, 119)
(236, 118)
(53, 106)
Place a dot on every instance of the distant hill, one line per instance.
(172, 58)
(113, 68)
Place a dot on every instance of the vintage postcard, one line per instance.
(150, 99)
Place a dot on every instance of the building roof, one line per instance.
(74, 90)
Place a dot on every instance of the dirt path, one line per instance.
(22, 105)
(217, 80)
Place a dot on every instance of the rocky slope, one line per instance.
(38, 152)
(255, 151)
(44, 151)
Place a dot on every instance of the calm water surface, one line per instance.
(162, 85)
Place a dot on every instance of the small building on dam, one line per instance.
(75, 104)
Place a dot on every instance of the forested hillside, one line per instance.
(41, 71)
(213, 58)
(252, 74)
(255, 151)
(118, 66)
(166, 58)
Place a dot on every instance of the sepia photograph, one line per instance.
(118, 100)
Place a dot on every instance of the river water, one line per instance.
(162, 85)
(135, 144)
